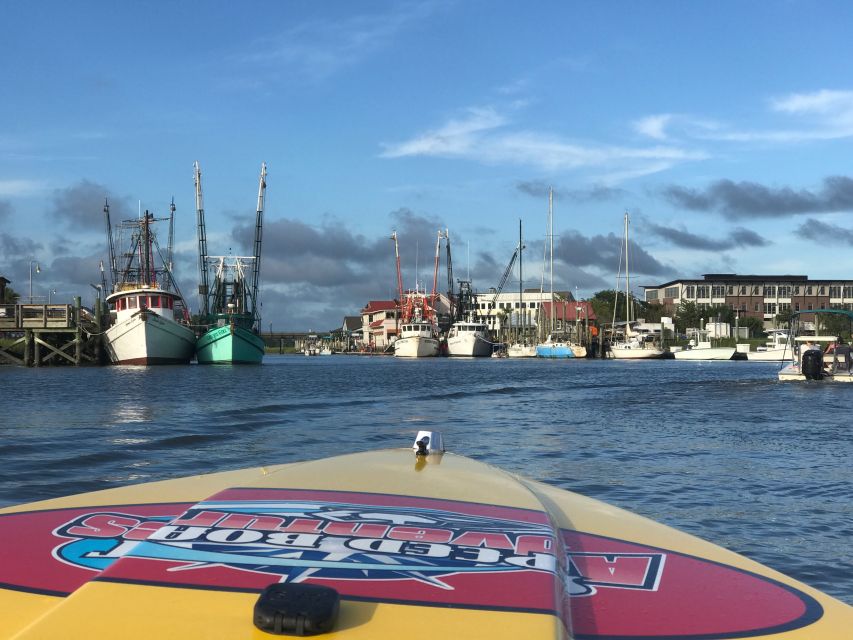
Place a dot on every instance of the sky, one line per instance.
(725, 131)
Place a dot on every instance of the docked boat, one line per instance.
(777, 348)
(701, 348)
(149, 318)
(556, 345)
(229, 308)
(419, 337)
(469, 338)
(312, 345)
(634, 345)
(521, 350)
(819, 358)
(416, 543)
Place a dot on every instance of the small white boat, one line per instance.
(703, 350)
(469, 338)
(312, 346)
(776, 349)
(636, 348)
(521, 350)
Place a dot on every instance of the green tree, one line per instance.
(10, 296)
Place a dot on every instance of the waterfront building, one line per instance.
(754, 296)
(508, 309)
(379, 323)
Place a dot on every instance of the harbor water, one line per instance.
(719, 449)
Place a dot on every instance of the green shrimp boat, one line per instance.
(229, 307)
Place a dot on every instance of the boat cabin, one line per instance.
(124, 304)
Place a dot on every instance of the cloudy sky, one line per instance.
(724, 129)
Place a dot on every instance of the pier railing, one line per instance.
(36, 316)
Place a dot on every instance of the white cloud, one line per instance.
(653, 126)
(487, 136)
(11, 188)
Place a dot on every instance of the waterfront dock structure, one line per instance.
(44, 334)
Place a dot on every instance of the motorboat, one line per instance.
(822, 357)
(469, 338)
(521, 350)
(777, 348)
(413, 543)
(636, 347)
(699, 349)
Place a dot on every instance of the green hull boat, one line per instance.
(231, 344)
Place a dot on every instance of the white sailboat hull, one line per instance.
(470, 345)
(416, 347)
(521, 351)
(712, 353)
(634, 353)
(148, 338)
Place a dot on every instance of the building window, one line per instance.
(743, 307)
(810, 307)
(652, 294)
(835, 291)
(690, 291)
(770, 308)
(784, 291)
(821, 291)
(731, 290)
(702, 291)
(770, 291)
(784, 306)
(796, 306)
(809, 290)
(848, 292)
(796, 291)
(718, 291)
(743, 290)
(757, 308)
(670, 292)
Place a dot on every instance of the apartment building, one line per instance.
(757, 296)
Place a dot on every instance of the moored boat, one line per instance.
(382, 539)
(819, 358)
(469, 338)
(555, 346)
(229, 306)
(419, 336)
(149, 318)
(777, 348)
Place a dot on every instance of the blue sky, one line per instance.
(723, 128)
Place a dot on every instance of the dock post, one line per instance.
(36, 351)
(28, 347)
(98, 320)
(78, 342)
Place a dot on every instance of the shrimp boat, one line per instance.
(418, 325)
(149, 317)
(469, 338)
(229, 308)
(414, 543)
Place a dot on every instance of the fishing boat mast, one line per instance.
(521, 286)
(434, 295)
(259, 225)
(111, 245)
(171, 237)
(551, 243)
(399, 276)
(203, 286)
(455, 308)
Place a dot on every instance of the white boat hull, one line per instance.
(791, 373)
(712, 353)
(631, 353)
(470, 345)
(770, 355)
(148, 338)
(416, 347)
(521, 351)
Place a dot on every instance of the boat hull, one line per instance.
(490, 554)
(557, 350)
(146, 338)
(770, 355)
(629, 353)
(416, 347)
(713, 353)
(521, 351)
(230, 344)
(469, 345)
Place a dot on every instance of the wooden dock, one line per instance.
(33, 335)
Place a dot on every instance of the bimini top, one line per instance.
(838, 312)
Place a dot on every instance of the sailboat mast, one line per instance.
(520, 277)
(111, 245)
(399, 272)
(551, 243)
(628, 305)
(203, 287)
(169, 252)
(259, 225)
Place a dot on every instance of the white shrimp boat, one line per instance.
(149, 321)
(470, 339)
(395, 543)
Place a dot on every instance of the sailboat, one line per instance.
(520, 348)
(634, 345)
(150, 318)
(419, 327)
(557, 344)
(229, 307)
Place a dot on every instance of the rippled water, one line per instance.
(719, 449)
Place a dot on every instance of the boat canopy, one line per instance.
(838, 312)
